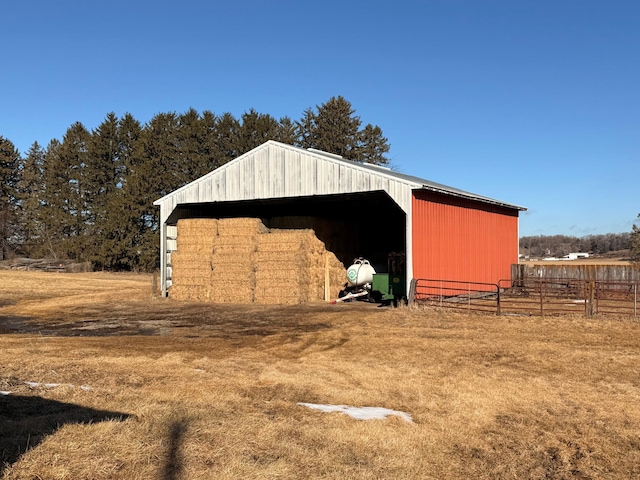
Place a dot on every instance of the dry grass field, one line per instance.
(130, 386)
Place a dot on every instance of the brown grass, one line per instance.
(210, 391)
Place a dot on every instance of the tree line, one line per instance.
(89, 197)
(561, 245)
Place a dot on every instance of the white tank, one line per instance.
(360, 273)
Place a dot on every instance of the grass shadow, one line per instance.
(25, 422)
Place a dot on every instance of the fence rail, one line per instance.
(470, 296)
(532, 296)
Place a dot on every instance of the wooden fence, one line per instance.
(586, 273)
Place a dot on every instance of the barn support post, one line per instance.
(408, 210)
(163, 258)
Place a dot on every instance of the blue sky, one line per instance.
(533, 102)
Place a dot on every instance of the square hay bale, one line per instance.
(240, 226)
(277, 260)
(190, 258)
(195, 293)
(191, 278)
(198, 241)
(281, 276)
(235, 245)
(207, 227)
(232, 293)
(219, 263)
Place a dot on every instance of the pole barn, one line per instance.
(355, 209)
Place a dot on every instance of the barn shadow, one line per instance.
(26, 421)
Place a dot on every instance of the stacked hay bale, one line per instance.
(339, 236)
(239, 260)
(233, 278)
(293, 266)
(191, 267)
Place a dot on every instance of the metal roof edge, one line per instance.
(471, 196)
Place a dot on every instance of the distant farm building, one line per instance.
(279, 224)
(575, 256)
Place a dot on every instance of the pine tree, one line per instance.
(74, 155)
(103, 174)
(9, 163)
(118, 250)
(55, 217)
(226, 138)
(195, 135)
(154, 169)
(335, 128)
(30, 193)
(372, 146)
(286, 132)
(255, 129)
(306, 130)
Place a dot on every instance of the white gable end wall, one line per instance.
(275, 170)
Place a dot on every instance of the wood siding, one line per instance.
(461, 239)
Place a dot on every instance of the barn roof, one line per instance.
(277, 170)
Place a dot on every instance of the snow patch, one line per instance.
(5, 393)
(359, 413)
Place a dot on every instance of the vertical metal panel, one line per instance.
(460, 239)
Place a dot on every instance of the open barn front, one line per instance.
(281, 250)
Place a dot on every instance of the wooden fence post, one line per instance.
(591, 308)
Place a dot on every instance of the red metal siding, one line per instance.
(460, 239)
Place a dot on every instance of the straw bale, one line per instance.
(204, 264)
(191, 277)
(245, 246)
(190, 231)
(190, 292)
(225, 278)
(284, 235)
(220, 262)
(232, 293)
(271, 260)
(291, 275)
(198, 222)
(286, 245)
(195, 250)
(202, 240)
(240, 226)
(243, 273)
(182, 258)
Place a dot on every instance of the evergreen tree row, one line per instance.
(90, 196)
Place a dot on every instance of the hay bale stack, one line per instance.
(239, 260)
(290, 267)
(233, 262)
(190, 264)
